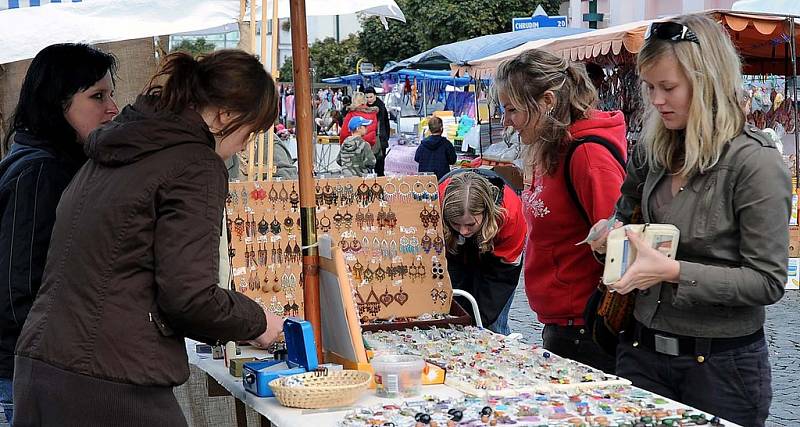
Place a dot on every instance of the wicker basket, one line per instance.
(321, 389)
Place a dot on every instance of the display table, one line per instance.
(326, 150)
(274, 414)
(400, 160)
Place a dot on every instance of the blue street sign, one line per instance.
(539, 21)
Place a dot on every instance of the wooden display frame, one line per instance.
(388, 229)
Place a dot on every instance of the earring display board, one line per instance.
(388, 228)
(264, 248)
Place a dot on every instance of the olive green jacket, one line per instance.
(733, 249)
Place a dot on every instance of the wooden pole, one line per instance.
(260, 138)
(251, 154)
(793, 49)
(271, 134)
(305, 150)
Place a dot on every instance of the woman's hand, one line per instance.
(599, 235)
(273, 332)
(650, 268)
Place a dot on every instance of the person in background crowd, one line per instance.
(574, 157)
(699, 319)
(143, 216)
(346, 101)
(336, 123)
(435, 153)
(355, 156)
(382, 143)
(67, 93)
(484, 233)
(282, 157)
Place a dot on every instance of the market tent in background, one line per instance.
(464, 51)
(24, 31)
(760, 39)
(778, 7)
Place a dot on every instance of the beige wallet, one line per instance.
(620, 253)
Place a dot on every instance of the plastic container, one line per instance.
(397, 375)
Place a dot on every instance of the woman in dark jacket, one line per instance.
(133, 265)
(484, 232)
(67, 93)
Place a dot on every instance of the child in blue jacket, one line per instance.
(436, 153)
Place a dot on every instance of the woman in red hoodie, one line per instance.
(574, 169)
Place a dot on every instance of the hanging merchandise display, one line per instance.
(389, 230)
(612, 406)
(479, 361)
(264, 253)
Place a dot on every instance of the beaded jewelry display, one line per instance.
(514, 366)
(593, 407)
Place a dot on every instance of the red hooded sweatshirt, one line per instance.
(559, 276)
(369, 113)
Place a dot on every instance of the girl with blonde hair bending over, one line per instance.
(484, 235)
(698, 336)
(575, 156)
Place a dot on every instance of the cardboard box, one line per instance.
(794, 241)
(237, 365)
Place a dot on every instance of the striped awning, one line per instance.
(16, 4)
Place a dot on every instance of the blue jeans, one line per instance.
(7, 397)
(500, 325)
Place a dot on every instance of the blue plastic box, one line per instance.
(302, 357)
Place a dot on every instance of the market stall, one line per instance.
(487, 378)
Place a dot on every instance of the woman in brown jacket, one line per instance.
(133, 262)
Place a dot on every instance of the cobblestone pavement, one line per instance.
(782, 337)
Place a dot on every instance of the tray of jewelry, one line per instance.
(479, 361)
(457, 316)
(609, 406)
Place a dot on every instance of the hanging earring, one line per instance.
(294, 199)
(238, 226)
(275, 226)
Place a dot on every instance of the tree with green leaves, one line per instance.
(286, 72)
(431, 23)
(330, 58)
(195, 47)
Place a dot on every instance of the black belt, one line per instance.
(681, 345)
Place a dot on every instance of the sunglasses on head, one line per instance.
(671, 31)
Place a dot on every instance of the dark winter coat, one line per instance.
(383, 126)
(133, 261)
(32, 177)
(435, 154)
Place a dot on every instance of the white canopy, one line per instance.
(25, 31)
(778, 7)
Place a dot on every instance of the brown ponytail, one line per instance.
(229, 79)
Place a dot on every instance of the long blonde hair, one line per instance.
(470, 193)
(524, 79)
(714, 71)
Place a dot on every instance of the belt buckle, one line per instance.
(667, 345)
